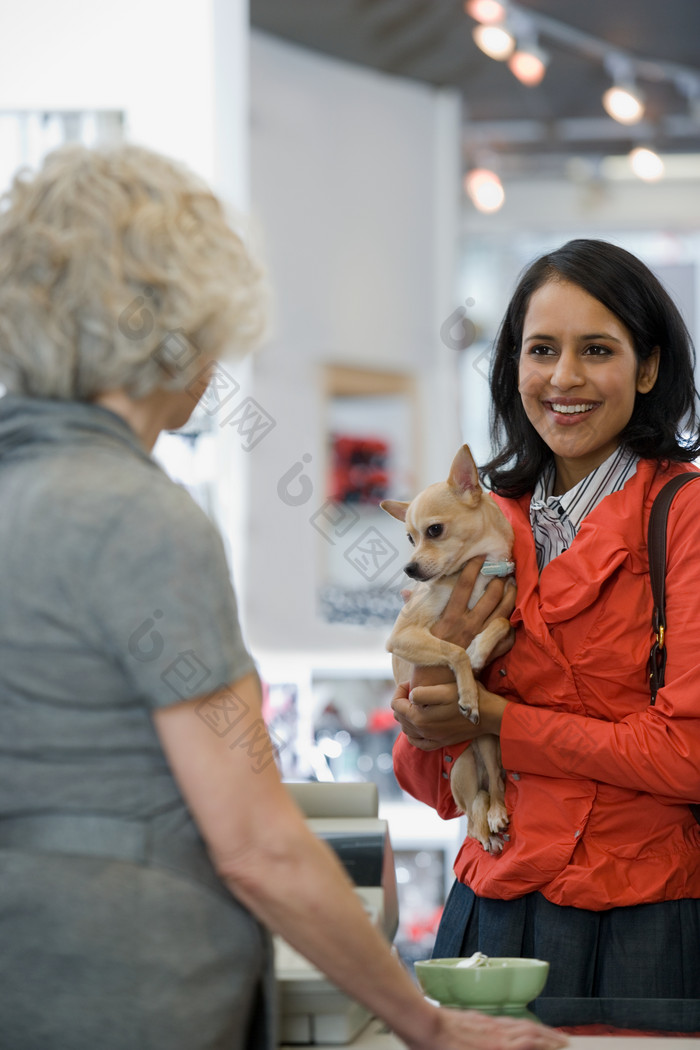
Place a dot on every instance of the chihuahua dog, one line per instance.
(449, 523)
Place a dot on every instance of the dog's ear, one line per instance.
(397, 508)
(464, 477)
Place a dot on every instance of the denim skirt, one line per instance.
(635, 967)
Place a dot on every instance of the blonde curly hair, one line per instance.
(118, 270)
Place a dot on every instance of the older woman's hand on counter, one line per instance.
(467, 1030)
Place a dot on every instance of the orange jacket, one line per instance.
(598, 780)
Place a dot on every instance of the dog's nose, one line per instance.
(412, 570)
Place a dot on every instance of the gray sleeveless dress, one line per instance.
(114, 600)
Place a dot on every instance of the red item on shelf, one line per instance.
(359, 472)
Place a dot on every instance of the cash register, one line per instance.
(311, 1009)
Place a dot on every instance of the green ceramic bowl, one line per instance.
(497, 986)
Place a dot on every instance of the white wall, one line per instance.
(178, 70)
(355, 183)
(149, 58)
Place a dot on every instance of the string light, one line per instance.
(646, 164)
(507, 32)
(494, 40)
(529, 64)
(486, 11)
(624, 103)
(484, 189)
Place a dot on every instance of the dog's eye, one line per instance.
(434, 531)
(410, 539)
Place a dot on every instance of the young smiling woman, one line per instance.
(578, 377)
(594, 409)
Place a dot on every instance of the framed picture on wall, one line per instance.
(370, 456)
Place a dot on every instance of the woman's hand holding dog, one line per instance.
(460, 624)
(426, 709)
(430, 717)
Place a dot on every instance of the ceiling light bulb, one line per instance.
(484, 189)
(646, 164)
(494, 41)
(624, 104)
(486, 11)
(529, 65)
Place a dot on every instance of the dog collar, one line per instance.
(498, 568)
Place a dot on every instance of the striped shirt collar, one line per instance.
(556, 520)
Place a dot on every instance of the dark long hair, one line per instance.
(664, 423)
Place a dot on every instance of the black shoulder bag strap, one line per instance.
(656, 544)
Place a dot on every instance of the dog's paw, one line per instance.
(469, 712)
(497, 817)
(478, 829)
(492, 844)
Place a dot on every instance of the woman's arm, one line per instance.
(654, 750)
(264, 852)
(650, 751)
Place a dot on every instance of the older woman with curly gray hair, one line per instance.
(146, 841)
(90, 240)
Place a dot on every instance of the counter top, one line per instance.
(375, 1037)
